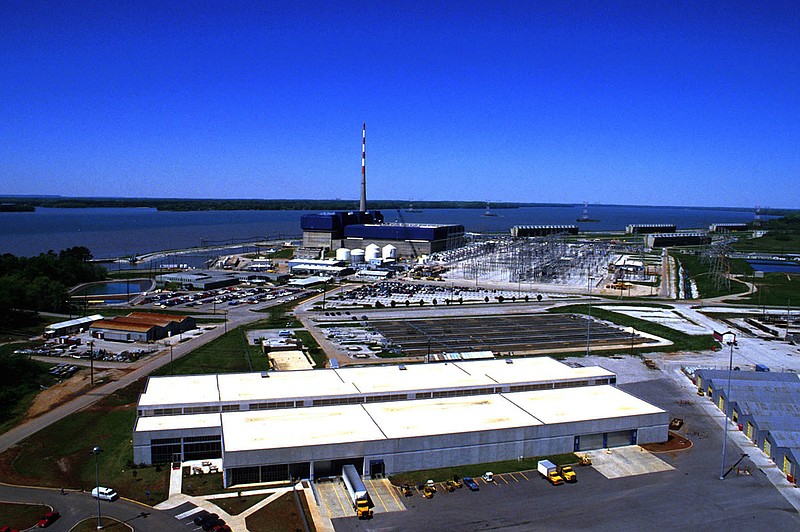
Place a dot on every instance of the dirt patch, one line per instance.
(66, 390)
(675, 442)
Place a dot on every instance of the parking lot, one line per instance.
(688, 496)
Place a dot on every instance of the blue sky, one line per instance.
(652, 103)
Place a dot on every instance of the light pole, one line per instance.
(96, 450)
(589, 317)
(727, 405)
(90, 343)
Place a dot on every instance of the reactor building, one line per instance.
(359, 229)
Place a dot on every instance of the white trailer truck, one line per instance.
(357, 491)
(549, 471)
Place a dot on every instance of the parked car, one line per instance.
(488, 477)
(48, 519)
(471, 484)
(104, 494)
(201, 516)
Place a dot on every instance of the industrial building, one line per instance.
(520, 231)
(141, 327)
(643, 229)
(386, 419)
(663, 240)
(71, 326)
(358, 229)
(726, 227)
(199, 279)
(765, 406)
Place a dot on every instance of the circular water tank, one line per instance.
(373, 252)
(389, 252)
(342, 254)
(357, 255)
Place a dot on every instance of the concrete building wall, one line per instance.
(436, 451)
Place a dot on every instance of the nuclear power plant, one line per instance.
(356, 230)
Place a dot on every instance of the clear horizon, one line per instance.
(652, 104)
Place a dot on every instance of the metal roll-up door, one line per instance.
(618, 439)
(591, 441)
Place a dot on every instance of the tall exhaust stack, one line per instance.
(362, 206)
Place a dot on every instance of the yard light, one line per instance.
(96, 450)
(727, 405)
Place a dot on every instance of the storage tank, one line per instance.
(357, 256)
(389, 252)
(373, 252)
(343, 254)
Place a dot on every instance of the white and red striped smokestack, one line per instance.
(362, 206)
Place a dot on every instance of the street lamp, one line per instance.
(589, 317)
(90, 343)
(727, 405)
(96, 450)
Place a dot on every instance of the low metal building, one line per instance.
(642, 229)
(387, 419)
(521, 231)
(765, 406)
(663, 240)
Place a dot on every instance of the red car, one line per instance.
(8, 529)
(48, 519)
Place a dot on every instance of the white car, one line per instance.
(105, 494)
(488, 477)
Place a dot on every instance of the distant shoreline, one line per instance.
(188, 205)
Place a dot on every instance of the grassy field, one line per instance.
(681, 341)
(698, 271)
(509, 466)
(230, 353)
(278, 318)
(775, 289)
(66, 461)
(316, 352)
(20, 385)
(21, 516)
(281, 515)
(772, 242)
(237, 505)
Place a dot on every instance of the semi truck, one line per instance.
(357, 491)
(549, 471)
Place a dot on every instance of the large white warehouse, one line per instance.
(387, 419)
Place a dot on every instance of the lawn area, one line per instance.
(21, 516)
(317, 354)
(230, 353)
(20, 383)
(775, 289)
(67, 461)
(698, 270)
(681, 341)
(776, 241)
(508, 466)
(281, 515)
(237, 505)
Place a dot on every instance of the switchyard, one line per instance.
(551, 259)
(508, 334)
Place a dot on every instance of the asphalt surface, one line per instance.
(689, 497)
(76, 506)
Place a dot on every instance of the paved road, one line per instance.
(236, 317)
(76, 506)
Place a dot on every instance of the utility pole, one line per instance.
(727, 405)
(96, 450)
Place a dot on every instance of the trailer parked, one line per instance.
(357, 491)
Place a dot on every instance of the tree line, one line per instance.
(41, 283)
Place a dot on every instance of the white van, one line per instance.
(105, 494)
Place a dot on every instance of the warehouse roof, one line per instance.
(122, 325)
(275, 429)
(193, 421)
(577, 404)
(74, 322)
(165, 391)
(285, 385)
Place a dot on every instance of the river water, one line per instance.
(117, 232)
